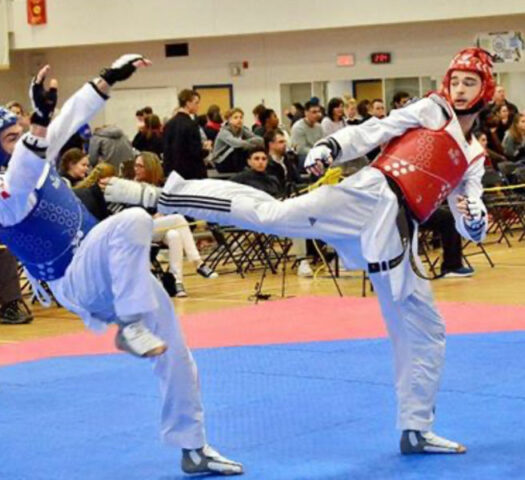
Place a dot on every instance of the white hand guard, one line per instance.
(119, 190)
(318, 158)
(475, 225)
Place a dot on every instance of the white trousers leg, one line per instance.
(110, 277)
(417, 332)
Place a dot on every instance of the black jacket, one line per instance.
(183, 150)
(260, 181)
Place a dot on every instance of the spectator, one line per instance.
(256, 176)
(213, 122)
(377, 108)
(74, 165)
(334, 119)
(22, 115)
(183, 149)
(269, 121)
(149, 139)
(307, 131)
(400, 99)
(488, 121)
(363, 109)
(352, 116)
(282, 163)
(295, 113)
(491, 158)
(172, 230)
(500, 98)
(258, 109)
(139, 116)
(233, 143)
(504, 120)
(110, 145)
(13, 311)
(514, 141)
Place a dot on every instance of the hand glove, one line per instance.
(121, 69)
(318, 158)
(120, 190)
(475, 225)
(43, 102)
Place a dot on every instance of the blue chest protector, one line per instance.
(46, 240)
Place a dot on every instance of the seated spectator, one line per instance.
(442, 222)
(504, 120)
(307, 131)
(149, 138)
(363, 109)
(172, 230)
(257, 110)
(213, 122)
(500, 98)
(283, 163)
(351, 114)
(233, 143)
(377, 108)
(22, 115)
(74, 165)
(183, 146)
(492, 159)
(514, 141)
(269, 121)
(400, 99)
(13, 311)
(334, 119)
(295, 113)
(109, 144)
(255, 174)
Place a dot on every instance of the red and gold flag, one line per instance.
(36, 12)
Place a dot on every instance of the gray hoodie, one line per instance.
(109, 144)
(228, 140)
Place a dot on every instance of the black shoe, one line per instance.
(414, 441)
(206, 272)
(15, 313)
(207, 460)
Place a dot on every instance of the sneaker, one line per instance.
(414, 441)
(459, 272)
(136, 339)
(181, 292)
(207, 460)
(206, 272)
(15, 313)
(304, 269)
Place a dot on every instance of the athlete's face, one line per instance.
(9, 137)
(464, 88)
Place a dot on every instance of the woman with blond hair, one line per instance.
(171, 230)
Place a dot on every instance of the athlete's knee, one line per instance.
(172, 236)
(136, 226)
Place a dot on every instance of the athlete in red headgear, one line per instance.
(430, 156)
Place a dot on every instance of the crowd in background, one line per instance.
(265, 154)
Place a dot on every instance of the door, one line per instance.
(368, 89)
(221, 95)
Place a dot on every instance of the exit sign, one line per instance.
(345, 60)
(380, 57)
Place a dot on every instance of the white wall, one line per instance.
(84, 22)
(417, 49)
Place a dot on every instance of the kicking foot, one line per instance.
(136, 339)
(414, 441)
(207, 460)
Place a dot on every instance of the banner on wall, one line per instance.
(504, 46)
(36, 12)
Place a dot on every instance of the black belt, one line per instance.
(405, 225)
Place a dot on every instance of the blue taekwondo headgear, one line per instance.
(7, 119)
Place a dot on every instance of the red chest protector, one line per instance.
(426, 165)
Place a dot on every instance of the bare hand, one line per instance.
(462, 206)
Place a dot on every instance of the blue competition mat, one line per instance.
(323, 410)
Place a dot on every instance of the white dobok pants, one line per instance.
(358, 218)
(109, 278)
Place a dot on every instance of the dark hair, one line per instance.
(332, 105)
(258, 109)
(147, 110)
(255, 150)
(362, 108)
(269, 137)
(201, 120)
(152, 125)
(70, 157)
(214, 113)
(265, 115)
(398, 96)
(308, 105)
(298, 106)
(139, 113)
(375, 100)
(186, 96)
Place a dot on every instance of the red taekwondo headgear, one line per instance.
(474, 60)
